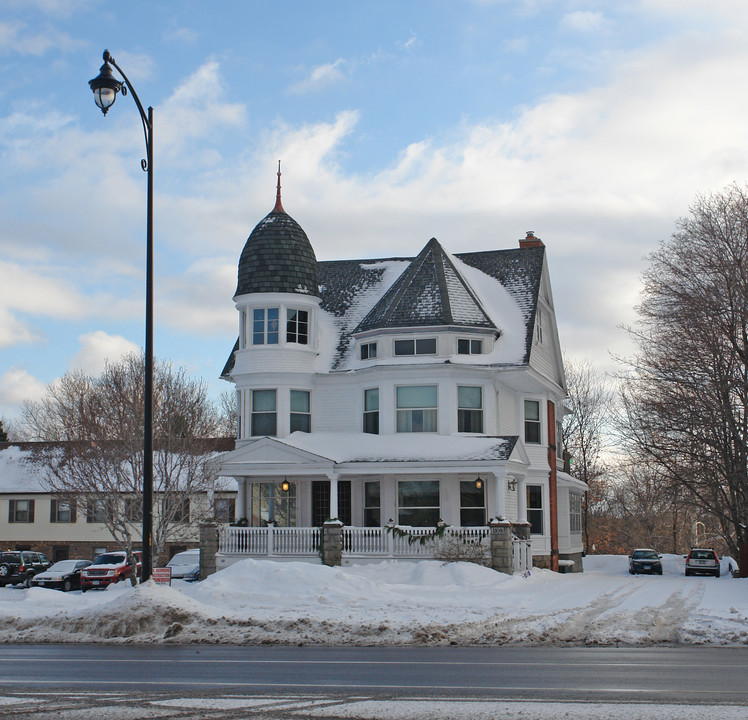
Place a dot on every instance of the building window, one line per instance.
(61, 511)
(96, 510)
(472, 504)
(133, 510)
(372, 504)
(242, 328)
(535, 508)
(301, 414)
(575, 513)
(264, 407)
(20, 511)
(423, 346)
(539, 326)
(418, 503)
(469, 347)
(368, 350)
(265, 326)
(469, 409)
(297, 326)
(225, 510)
(416, 408)
(60, 552)
(269, 502)
(176, 509)
(371, 411)
(532, 421)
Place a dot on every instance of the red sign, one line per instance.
(161, 576)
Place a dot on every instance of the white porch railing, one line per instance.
(369, 544)
(268, 541)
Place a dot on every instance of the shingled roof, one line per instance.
(430, 293)
(355, 292)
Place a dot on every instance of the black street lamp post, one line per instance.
(105, 88)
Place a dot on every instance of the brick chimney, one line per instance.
(530, 240)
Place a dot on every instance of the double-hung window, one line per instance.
(532, 421)
(301, 413)
(416, 408)
(418, 503)
(20, 511)
(575, 513)
(469, 409)
(297, 326)
(371, 411)
(265, 324)
(472, 504)
(372, 504)
(264, 412)
(61, 511)
(535, 509)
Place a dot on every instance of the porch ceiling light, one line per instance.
(285, 485)
(479, 483)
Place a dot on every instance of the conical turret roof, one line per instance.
(277, 257)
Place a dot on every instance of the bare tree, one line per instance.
(584, 434)
(228, 414)
(96, 424)
(3, 434)
(686, 398)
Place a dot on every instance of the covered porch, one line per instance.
(401, 497)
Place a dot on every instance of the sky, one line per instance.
(594, 124)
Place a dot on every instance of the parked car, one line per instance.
(702, 560)
(111, 567)
(64, 575)
(19, 566)
(185, 565)
(645, 560)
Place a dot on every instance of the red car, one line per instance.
(109, 568)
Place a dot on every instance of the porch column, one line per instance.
(241, 499)
(333, 496)
(521, 499)
(500, 496)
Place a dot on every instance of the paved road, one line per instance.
(317, 677)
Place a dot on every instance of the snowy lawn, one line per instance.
(391, 603)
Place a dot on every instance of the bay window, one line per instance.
(416, 408)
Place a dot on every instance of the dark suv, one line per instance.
(19, 566)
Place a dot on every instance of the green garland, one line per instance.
(438, 532)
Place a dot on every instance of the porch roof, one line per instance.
(310, 453)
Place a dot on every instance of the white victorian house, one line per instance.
(396, 395)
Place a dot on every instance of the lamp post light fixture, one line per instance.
(105, 88)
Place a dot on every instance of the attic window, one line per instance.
(469, 347)
(297, 326)
(422, 346)
(368, 350)
(265, 322)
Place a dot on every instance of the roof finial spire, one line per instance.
(278, 207)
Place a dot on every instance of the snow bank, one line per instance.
(390, 603)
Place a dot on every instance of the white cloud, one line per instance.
(321, 77)
(98, 348)
(183, 35)
(584, 21)
(16, 386)
(16, 37)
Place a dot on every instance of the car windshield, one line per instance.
(109, 559)
(63, 566)
(184, 559)
(645, 555)
(702, 555)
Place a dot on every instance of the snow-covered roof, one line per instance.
(17, 475)
(490, 290)
(325, 451)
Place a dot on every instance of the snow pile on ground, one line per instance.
(390, 603)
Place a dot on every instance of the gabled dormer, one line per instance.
(429, 310)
